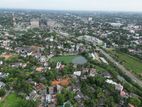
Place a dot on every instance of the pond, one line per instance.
(79, 60)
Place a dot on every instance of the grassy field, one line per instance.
(10, 101)
(98, 68)
(66, 59)
(130, 62)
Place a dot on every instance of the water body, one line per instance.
(79, 60)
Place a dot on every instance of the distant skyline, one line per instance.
(88, 5)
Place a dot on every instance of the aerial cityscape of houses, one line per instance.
(70, 59)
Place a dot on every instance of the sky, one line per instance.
(91, 5)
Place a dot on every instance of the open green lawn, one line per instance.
(98, 68)
(130, 62)
(13, 100)
(10, 101)
(66, 59)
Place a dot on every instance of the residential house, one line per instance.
(101, 102)
(106, 75)
(92, 72)
(3, 75)
(39, 87)
(119, 87)
(1, 62)
(43, 59)
(67, 104)
(32, 96)
(2, 84)
(77, 73)
(17, 64)
(62, 82)
(40, 69)
(79, 96)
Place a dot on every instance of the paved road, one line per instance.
(122, 68)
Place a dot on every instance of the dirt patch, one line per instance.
(7, 56)
(63, 82)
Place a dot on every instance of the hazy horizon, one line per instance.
(80, 5)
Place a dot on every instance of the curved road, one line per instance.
(122, 68)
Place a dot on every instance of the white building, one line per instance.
(103, 60)
(77, 73)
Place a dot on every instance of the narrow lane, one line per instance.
(5, 96)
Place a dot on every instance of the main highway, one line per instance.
(121, 67)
